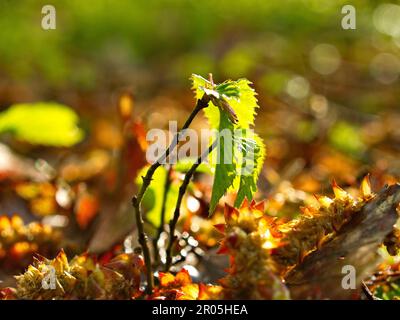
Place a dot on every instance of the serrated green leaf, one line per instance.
(240, 96)
(233, 105)
(225, 166)
(253, 154)
(42, 123)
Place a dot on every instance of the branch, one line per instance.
(182, 191)
(136, 200)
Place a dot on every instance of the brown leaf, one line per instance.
(320, 275)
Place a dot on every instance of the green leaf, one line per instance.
(225, 169)
(347, 138)
(42, 123)
(198, 85)
(240, 96)
(233, 106)
(153, 198)
(253, 154)
(183, 166)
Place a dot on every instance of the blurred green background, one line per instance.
(101, 45)
(316, 81)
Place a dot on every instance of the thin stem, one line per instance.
(177, 211)
(136, 200)
(162, 217)
(142, 238)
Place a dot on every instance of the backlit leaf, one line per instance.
(238, 94)
(233, 107)
(253, 153)
(42, 123)
(153, 198)
(225, 166)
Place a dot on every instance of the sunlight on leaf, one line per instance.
(225, 167)
(183, 165)
(240, 96)
(253, 153)
(233, 106)
(153, 198)
(42, 123)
